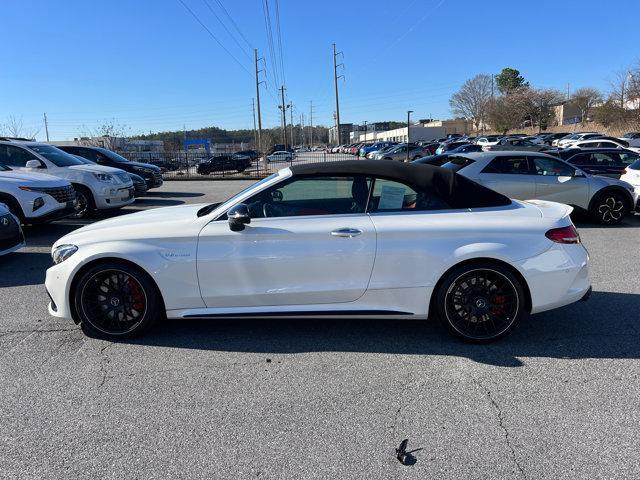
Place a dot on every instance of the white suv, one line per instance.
(35, 197)
(97, 187)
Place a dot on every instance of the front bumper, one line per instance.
(154, 180)
(114, 197)
(50, 216)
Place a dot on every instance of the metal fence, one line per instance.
(181, 165)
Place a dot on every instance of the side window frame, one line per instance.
(413, 187)
(530, 168)
(24, 152)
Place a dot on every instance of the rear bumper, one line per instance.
(557, 277)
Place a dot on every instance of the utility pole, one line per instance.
(409, 112)
(311, 123)
(335, 82)
(259, 146)
(283, 108)
(492, 78)
(46, 126)
(291, 115)
(255, 130)
(567, 92)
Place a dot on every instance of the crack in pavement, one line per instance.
(38, 330)
(502, 426)
(103, 364)
(405, 386)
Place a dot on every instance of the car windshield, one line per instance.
(210, 208)
(56, 156)
(113, 156)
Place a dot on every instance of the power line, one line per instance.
(214, 37)
(280, 41)
(267, 23)
(235, 25)
(206, 2)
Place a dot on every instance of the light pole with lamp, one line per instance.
(409, 112)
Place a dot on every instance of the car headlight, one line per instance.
(60, 253)
(105, 177)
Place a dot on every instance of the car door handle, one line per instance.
(346, 232)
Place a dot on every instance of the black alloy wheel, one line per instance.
(83, 204)
(610, 208)
(481, 303)
(116, 301)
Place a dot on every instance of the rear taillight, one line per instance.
(563, 235)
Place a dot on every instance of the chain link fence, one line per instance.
(188, 165)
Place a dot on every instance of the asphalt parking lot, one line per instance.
(559, 398)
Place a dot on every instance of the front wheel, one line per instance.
(84, 204)
(481, 302)
(610, 208)
(114, 301)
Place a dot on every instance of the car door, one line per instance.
(608, 164)
(309, 242)
(413, 228)
(509, 175)
(557, 181)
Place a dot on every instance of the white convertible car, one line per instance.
(362, 238)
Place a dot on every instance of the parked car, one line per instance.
(448, 146)
(11, 236)
(97, 187)
(632, 138)
(375, 147)
(139, 183)
(565, 142)
(516, 143)
(280, 147)
(535, 139)
(602, 142)
(488, 140)
(549, 138)
(415, 241)
(252, 154)
(631, 175)
(468, 147)
(101, 156)
(610, 162)
(534, 175)
(35, 197)
(281, 156)
(224, 163)
(399, 153)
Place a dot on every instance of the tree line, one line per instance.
(507, 101)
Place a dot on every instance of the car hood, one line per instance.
(32, 179)
(148, 166)
(164, 222)
(95, 168)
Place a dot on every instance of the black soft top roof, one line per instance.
(456, 190)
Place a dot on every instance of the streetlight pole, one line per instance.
(409, 112)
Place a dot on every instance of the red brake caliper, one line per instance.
(498, 304)
(136, 293)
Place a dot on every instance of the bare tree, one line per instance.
(472, 100)
(14, 127)
(107, 134)
(537, 104)
(585, 99)
(507, 112)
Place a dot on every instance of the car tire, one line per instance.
(85, 204)
(480, 302)
(14, 208)
(114, 300)
(609, 208)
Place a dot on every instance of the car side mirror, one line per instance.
(34, 164)
(579, 173)
(238, 217)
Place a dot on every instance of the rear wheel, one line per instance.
(114, 300)
(481, 302)
(609, 208)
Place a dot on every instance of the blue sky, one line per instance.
(150, 66)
